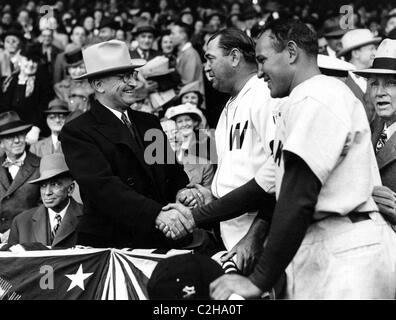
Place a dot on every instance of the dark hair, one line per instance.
(348, 56)
(283, 31)
(186, 28)
(233, 38)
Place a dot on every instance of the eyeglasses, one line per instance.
(59, 116)
(126, 77)
(74, 96)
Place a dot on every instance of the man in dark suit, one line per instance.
(123, 194)
(18, 166)
(144, 35)
(382, 93)
(54, 222)
(49, 51)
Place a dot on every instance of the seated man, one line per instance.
(18, 166)
(53, 223)
(56, 116)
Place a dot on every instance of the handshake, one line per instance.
(175, 221)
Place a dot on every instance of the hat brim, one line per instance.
(21, 128)
(162, 73)
(56, 111)
(365, 43)
(135, 63)
(49, 174)
(366, 73)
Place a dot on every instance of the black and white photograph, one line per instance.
(201, 150)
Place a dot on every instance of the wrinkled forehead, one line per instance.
(213, 48)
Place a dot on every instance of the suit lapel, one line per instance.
(69, 223)
(377, 127)
(388, 152)
(4, 181)
(112, 128)
(23, 174)
(40, 223)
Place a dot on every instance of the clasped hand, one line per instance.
(175, 221)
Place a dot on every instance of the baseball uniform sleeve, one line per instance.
(317, 135)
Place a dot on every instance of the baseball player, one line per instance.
(326, 230)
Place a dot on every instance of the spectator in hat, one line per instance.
(199, 170)
(195, 142)
(28, 91)
(214, 21)
(390, 23)
(333, 33)
(188, 63)
(78, 40)
(144, 34)
(104, 149)
(9, 57)
(107, 29)
(60, 39)
(18, 166)
(75, 67)
(249, 18)
(381, 79)
(358, 48)
(186, 16)
(191, 93)
(55, 115)
(53, 223)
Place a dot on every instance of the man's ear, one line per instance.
(292, 50)
(70, 189)
(97, 85)
(235, 55)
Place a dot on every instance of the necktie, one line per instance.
(58, 219)
(132, 130)
(381, 141)
(8, 163)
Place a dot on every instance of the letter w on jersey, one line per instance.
(237, 135)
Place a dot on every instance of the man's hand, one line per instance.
(223, 287)
(247, 251)
(188, 198)
(385, 199)
(173, 223)
(184, 212)
(205, 194)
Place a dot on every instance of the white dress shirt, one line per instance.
(14, 169)
(52, 214)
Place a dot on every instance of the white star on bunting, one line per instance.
(78, 278)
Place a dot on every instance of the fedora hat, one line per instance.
(143, 27)
(57, 106)
(185, 276)
(384, 61)
(332, 66)
(355, 39)
(106, 57)
(186, 108)
(157, 66)
(73, 57)
(11, 123)
(51, 166)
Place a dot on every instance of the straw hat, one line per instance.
(355, 39)
(186, 108)
(384, 61)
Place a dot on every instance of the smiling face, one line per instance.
(185, 124)
(12, 44)
(76, 71)
(218, 67)
(118, 91)
(145, 40)
(14, 145)
(28, 66)
(273, 66)
(190, 97)
(166, 44)
(382, 91)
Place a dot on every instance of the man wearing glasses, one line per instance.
(56, 115)
(105, 151)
